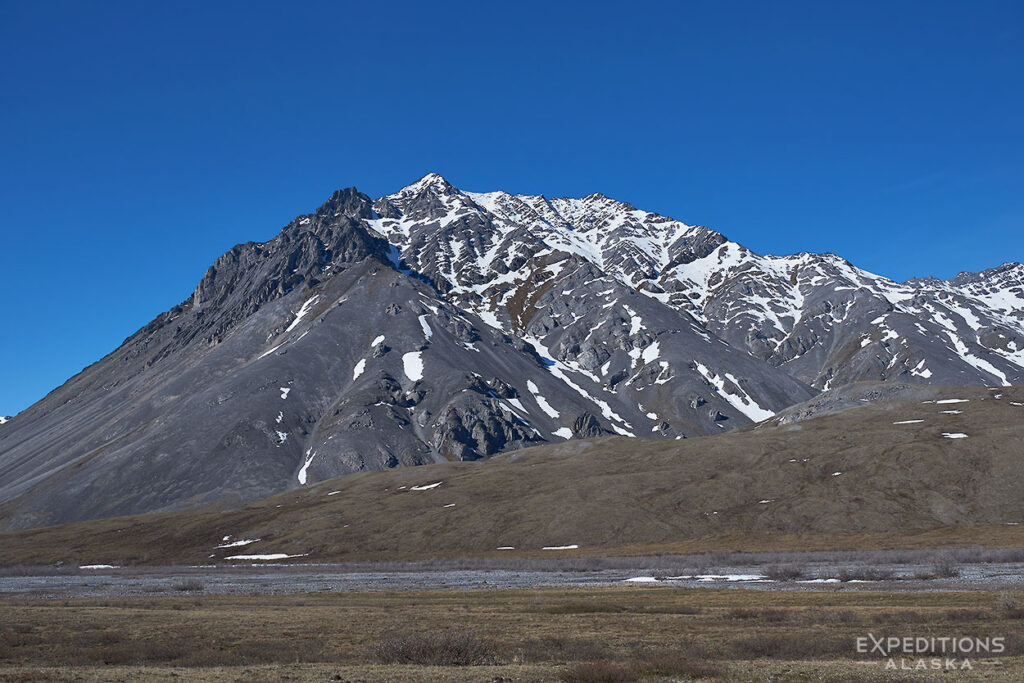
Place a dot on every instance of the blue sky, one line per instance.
(138, 141)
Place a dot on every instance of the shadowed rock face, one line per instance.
(435, 324)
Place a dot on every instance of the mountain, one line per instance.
(879, 474)
(822, 320)
(435, 324)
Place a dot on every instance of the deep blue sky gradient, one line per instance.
(139, 140)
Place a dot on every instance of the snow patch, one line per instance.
(426, 487)
(921, 371)
(651, 353)
(413, 364)
(427, 332)
(541, 401)
(267, 353)
(302, 312)
(742, 403)
(358, 369)
(723, 577)
(235, 544)
(305, 466)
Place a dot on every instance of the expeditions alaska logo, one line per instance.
(918, 653)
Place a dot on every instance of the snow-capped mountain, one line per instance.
(434, 324)
(818, 317)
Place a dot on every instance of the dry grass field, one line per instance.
(603, 634)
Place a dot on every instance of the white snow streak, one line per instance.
(235, 544)
(302, 312)
(743, 403)
(427, 332)
(305, 466)
(541, 401)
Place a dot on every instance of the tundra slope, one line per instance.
(434, 325)
(877, 475)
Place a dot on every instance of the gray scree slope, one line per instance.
(435, 324)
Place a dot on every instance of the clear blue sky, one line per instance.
(139, 140)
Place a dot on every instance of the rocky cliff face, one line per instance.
(435, 324)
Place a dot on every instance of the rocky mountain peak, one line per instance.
(346, 202)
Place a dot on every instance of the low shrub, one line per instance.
(443, 648)
(788, 646)
(582, 608)
(599, 672)
(677, 664)
(561, 649)
(1008, 608)
(866, 574)
(784, 572)
(945, 567)
(758, 614)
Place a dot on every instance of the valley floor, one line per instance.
(588, 633)
(904, 570)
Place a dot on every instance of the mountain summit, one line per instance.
(435, 324)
